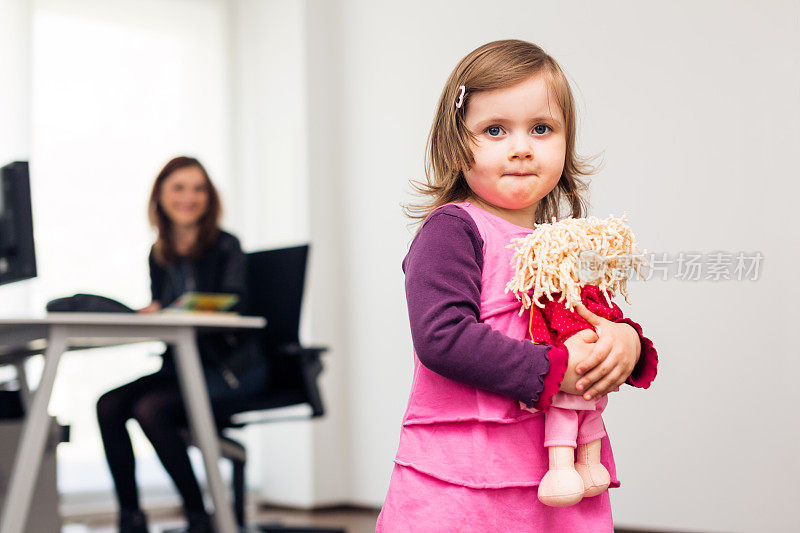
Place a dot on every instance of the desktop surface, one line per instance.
(150, 319)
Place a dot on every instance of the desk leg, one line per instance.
(34, 437)
(24, 390)
(201, 423)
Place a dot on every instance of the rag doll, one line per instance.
(560, 264)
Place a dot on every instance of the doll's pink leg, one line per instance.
(596, 478)
(561, 485)
(561, 427)
(594, 475)
(590, 426)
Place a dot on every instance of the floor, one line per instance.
(352, 520)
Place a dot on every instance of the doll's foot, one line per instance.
(596, 478)
(561, 486)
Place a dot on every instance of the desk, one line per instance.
(64, 331)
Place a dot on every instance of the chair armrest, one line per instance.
(310, 364)
(293, 349)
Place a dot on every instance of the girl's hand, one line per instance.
(613, 358)
(154, 307)
(579, 347)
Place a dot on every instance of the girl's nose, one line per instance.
(521, 148)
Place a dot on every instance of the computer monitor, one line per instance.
(17, 256)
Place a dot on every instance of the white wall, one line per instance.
(270, 147)
(695, 106)
(331, 302)
(268, 99)
(15, 110)
(15, 86)
(284, 61)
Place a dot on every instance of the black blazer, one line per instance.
(222, 267)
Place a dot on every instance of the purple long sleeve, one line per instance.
(443, 289)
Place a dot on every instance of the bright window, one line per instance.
(118, 89)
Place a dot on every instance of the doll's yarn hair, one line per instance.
(547, 261)
(496, 65)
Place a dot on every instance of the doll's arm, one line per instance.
(443, 284)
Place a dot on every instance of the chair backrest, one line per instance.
(276, 281)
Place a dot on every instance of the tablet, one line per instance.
(204, 301)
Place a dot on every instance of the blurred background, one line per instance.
(311, 117)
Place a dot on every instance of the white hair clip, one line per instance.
(460, 101)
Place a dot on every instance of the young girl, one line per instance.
(501, 157)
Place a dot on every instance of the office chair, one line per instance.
(276, 280)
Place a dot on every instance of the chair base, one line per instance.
(278, 528)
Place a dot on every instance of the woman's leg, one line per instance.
(161, 415)
(114, 409)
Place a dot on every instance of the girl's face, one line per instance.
(519, 149)
(184, 196)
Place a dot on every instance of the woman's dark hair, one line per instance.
(164, 247)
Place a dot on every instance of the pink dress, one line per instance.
(469, 459)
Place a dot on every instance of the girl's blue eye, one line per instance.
(494, 131)
(537, 129)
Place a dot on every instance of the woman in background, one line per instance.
(191, 253)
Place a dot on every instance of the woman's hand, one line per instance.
(154, 307)
(613, 357)
(579, 346)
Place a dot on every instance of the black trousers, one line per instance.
(155, 402)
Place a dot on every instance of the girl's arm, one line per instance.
(443, 284)
(622, 354)
(646, 368)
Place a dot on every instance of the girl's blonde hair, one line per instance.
(496, 65)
